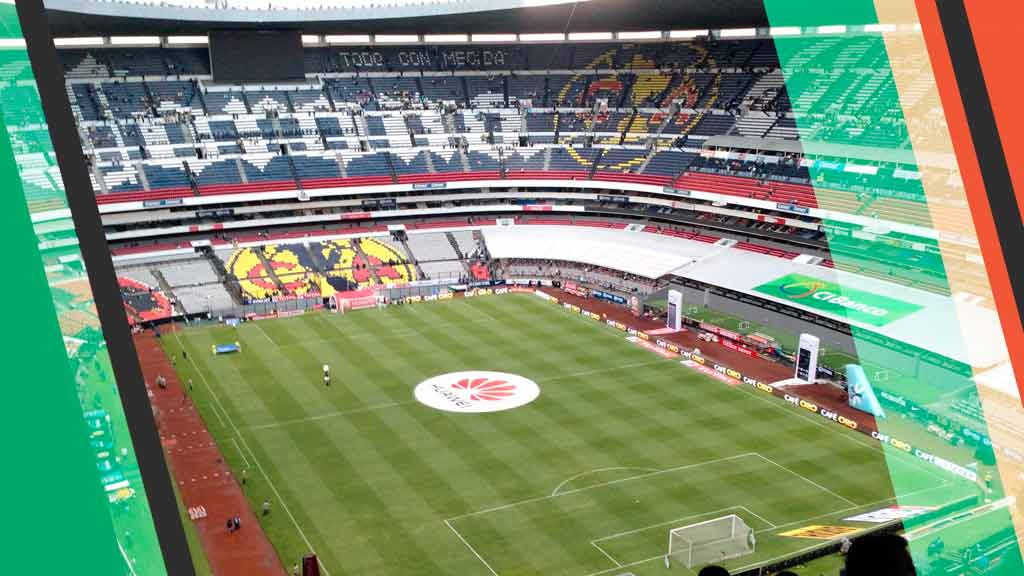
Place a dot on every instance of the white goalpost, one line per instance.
(709, 542)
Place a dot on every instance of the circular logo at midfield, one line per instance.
(476, 391)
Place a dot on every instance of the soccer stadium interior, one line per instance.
(255, 161)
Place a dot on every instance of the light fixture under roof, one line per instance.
(442, 38)
(640, 35)
(396, 38)
(347, 38)
(836, 29)
(738, 32)
(135, 40)
(687, 33)
(590, 36)
(188, 40)
(494, 38)
(79, 41)
(880, 28)
(544, 37)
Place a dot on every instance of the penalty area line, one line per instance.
(471, 549)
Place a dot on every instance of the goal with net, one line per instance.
(710, 542)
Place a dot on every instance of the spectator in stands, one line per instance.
(880, 555)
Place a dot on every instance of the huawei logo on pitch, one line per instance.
(476, 391)
(485, 389)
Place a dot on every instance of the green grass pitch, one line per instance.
(588, 479)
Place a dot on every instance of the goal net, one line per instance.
(710, 542)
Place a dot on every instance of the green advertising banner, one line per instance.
(829, 297)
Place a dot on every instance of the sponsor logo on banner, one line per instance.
(843, 301)
(738, 348)
(164, 202)
(429, 186)
(476, 391)
(673, 347)
(445, 296)
(793, 208)
(698, 359)
(890, 514)
(819, 532)
(659, 351)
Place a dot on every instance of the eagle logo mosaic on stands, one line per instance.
(476, 391)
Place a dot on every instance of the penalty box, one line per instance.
(594, 525)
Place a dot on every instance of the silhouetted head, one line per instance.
(880, 555)
(713, 571)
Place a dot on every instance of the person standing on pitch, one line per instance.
(327, 375)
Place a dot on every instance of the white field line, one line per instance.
(793, 523)
(609, 483)
(602, 370)
(265, 335)
(758, 516)
(605, 552)
(630, 565)
(835, 430)
(666, 523)
(471, 549)
(240, 451)
(369, 408)
(808, 480)
(238, 434)
(852, 508)
(388, 334)
(608, 469)
(127, 560)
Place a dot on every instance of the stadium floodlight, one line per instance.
(543, 37)
(641, 35)
(347, 38)
(687, 33)
(494, 38)
(590, 36)
(310, 39)
(785, 31)
(711, 541)
(737, 32)
(396, 38)
(835, 29)
(188, 40)
(445, 38)
(135, 40)
(80, 41)
(879, 27)
(9, 43)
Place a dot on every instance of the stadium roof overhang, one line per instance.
(89, 17)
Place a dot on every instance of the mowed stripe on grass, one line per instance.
(371, 476)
